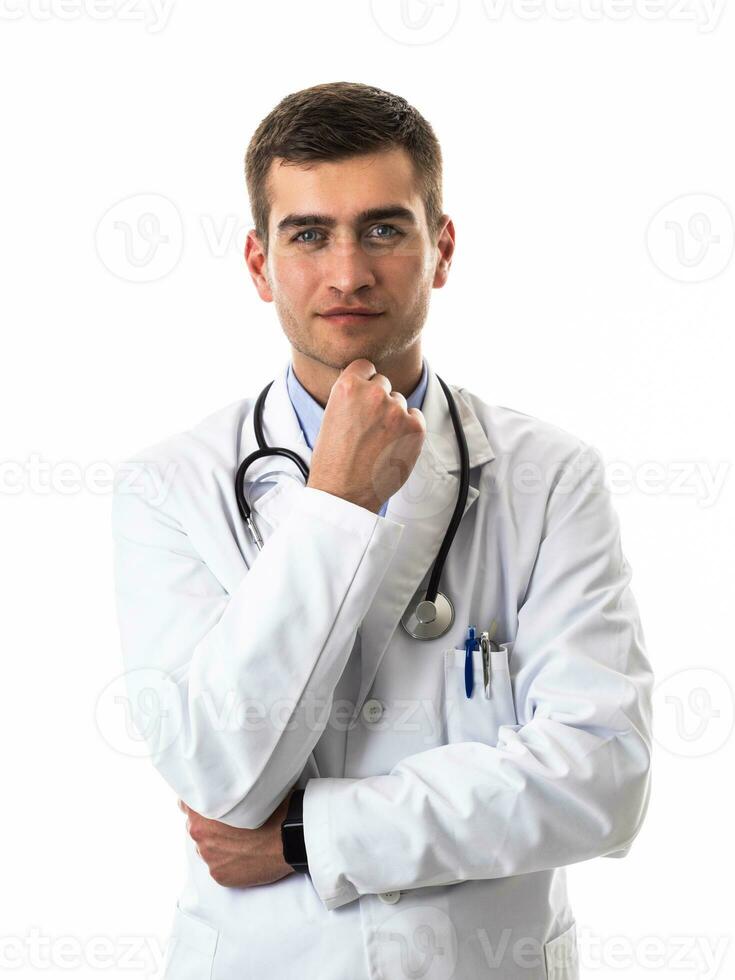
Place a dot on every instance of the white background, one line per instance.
(566, 129)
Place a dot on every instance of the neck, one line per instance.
(403, 371)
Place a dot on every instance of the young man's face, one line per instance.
(387, 263)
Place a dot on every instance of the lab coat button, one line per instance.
(372, 710)
(390, 898)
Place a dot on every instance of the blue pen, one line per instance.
(470, 644)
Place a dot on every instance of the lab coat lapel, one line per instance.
(424, 505)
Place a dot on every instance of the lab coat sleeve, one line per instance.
(242, 682)
(567, 783)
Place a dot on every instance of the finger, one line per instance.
(380, 379)
(361, 367)
(419, 416)
(398, 397)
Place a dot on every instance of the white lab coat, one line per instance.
(437, 827)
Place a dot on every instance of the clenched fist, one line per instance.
(369, 439)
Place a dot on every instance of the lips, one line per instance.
(349, 319)
(346, 311)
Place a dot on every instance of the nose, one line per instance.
(349, 267)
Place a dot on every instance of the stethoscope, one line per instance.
(433, 615)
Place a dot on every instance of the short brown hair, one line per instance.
(334, 121)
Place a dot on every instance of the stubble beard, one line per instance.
(379, 350)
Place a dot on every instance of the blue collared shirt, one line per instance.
(310, 413)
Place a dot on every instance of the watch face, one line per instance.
(294, 847)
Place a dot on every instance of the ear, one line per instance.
(445, 250)
(257, 263)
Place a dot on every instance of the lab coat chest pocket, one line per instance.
(191, 947)
(477, 718)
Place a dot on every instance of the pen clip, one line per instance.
(488, 645)
(485, 647)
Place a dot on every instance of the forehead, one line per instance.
(343, 188)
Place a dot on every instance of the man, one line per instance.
(353, 811)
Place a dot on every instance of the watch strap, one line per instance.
(292, 833)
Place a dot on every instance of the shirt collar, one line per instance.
(310, 413)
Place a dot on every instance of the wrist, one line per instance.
(367, 501)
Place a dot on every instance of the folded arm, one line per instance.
(244, 681)
(568, 783)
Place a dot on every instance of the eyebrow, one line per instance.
(296, 220)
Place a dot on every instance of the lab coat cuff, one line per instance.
(328, 882)
(356, 520)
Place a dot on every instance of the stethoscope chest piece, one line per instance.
(428, 620)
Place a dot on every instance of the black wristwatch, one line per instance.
(292, 833)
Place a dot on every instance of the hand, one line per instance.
(240, 858)
(368, 442)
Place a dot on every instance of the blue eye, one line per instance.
(308, 231)
(300, 240)
(395, 230)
